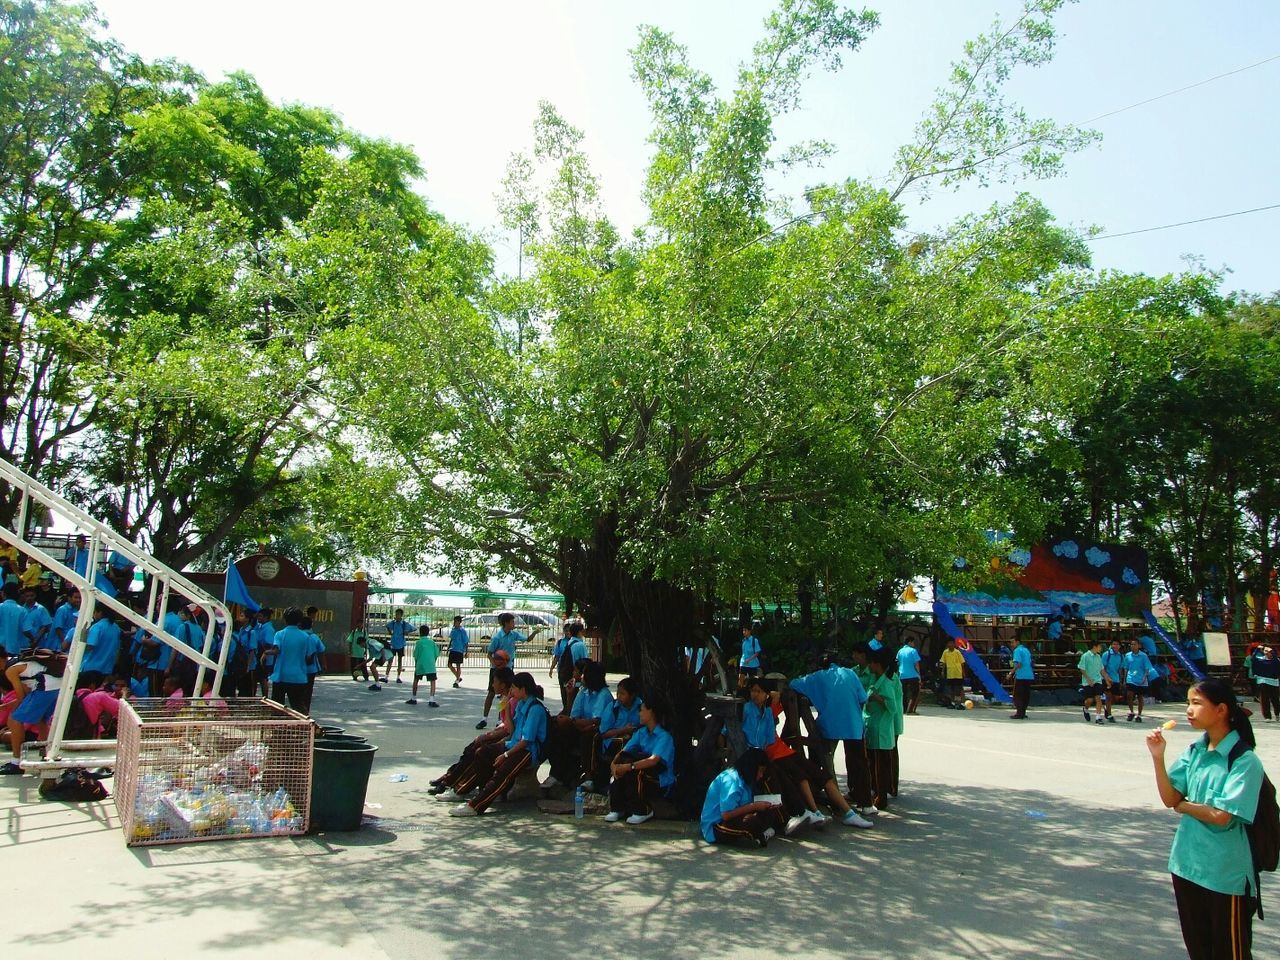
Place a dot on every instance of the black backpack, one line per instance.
(1264, 832)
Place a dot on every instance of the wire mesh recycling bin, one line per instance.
(341, 783)
(215, 769)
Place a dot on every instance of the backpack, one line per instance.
(78, 725)
(238, 662)
(73, 785)
(1264, 832)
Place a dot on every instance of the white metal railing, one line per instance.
(165, 584)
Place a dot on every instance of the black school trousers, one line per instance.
(1215, 926)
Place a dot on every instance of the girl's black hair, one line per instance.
(631, 685)
(592, 675)
(1218, 692)
(505, 674)
(749, 764)
(655, 708)
(529, 685)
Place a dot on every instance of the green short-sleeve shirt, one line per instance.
(425, 654)
(1217, 858)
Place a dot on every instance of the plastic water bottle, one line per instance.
(579, 800)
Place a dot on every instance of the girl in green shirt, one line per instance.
(884, 706)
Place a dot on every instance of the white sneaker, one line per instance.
(869, 811)
(463, 810)
(612, 816)
(851, 819)
(769, 834)
(796, 822)
(817, 818)
(450, 796)
(638, 818)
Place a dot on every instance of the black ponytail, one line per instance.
(1219, 691)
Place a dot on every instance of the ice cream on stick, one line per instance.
(1169, 724)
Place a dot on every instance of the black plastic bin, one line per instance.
(339, 782)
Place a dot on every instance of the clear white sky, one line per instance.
(460, 82)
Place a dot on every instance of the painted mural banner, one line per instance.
(1096, 580)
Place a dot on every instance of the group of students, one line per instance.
(1115, 677)
(618, 744)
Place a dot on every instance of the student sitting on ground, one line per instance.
(731, 812)
(797, 777)
(501, 766)
(643, 770)
(571, 738)
(461, 778)
(619, 721)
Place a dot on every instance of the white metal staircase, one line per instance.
(164, 583)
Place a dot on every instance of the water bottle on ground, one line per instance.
(579, 799)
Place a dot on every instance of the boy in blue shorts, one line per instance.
(425, 654)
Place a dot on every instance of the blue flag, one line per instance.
(236, 592)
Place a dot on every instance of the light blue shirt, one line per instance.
(1148, 645)
(1138, 669)
(908, 663)
(399, 630)
(507, 641)
(591, 706)
(119, 561)
(264, 635)
(616, 716)
(35, 625)
(838, 695)
(572, 647)
(728, 791)
(759, 725)
(656, 744)
(64, 625)
(291, 661)
(1113, 665)
(102, 647)
(530, 725)
(11, 617)
(1022, 669)
(458, 640)
(750, 652)
(77, 559)
(317, 650)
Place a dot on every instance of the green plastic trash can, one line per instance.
(339, 781)
(327, 731)
(340, 738)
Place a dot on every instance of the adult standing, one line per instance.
(502, 653)
(1021, 673)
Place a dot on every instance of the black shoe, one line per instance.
(1086, 716)
(1129, 718)
(457, 684)
(1110, 718)
(1017, 716)
(482, 724)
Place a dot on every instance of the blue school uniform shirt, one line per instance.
(751, 652)
(1148, 645)
(530, 725)
(591, 706)
(506, 640)
(1055, 629)
(1217, 858)
(291, 661)
(838, 695)
(35, 625)
(1194, 649)
(11, 617)
(102, 647)
(264, 635)
(77, 559)
(141, 686)
(458, 640)
(616, 716)
(317, 649)
(759, 726)
(1137, 668)
(728, 791)
(399, 630)
(118, 561)
(909, 663)
(1022, 669)
(64, 624)
(657, 743)
(1113, 665)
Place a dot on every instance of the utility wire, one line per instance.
(1190, 86)
(1184, 223)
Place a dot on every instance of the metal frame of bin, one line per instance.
(186, 740)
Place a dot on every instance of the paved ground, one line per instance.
(1041, 839)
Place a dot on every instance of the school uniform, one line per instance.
(749, 663)
(1023, 674)
(398, 631)
(1113, 670)
(787, 769)
(632, 792)
(458, 641)
(425, 655)
(1212, 867)
(838, 696)
(289, 673)
(881, 736)
(1137, 673)
(728, 791)
(531, 727)
(36, 623)
(604, 749)
(568, 748)
(1266, 673)
(464, 774)
(264, 638)
(314, 656)
(64, 626)
(1090, 667)
(567, 652)
(41, 696)
(908, 658)
(102, 649)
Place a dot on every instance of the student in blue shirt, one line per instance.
(1113, 677)
(11, 616)
(1214, 786)
(644, 769)
(523, 750)
(36, 622)
(909, 674)
(64, 622)
(749, 664)
(502, 653)
(1021, 673)
(838, 696)
(398, 628)
(102, 649)
(731, 812)
(292, 646)
(315, 656)
(569, 649)
(264, 634)
(457, 650)
(1138, 673)
(620, 719)
(572, 736)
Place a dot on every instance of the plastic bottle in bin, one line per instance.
(579, 801)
